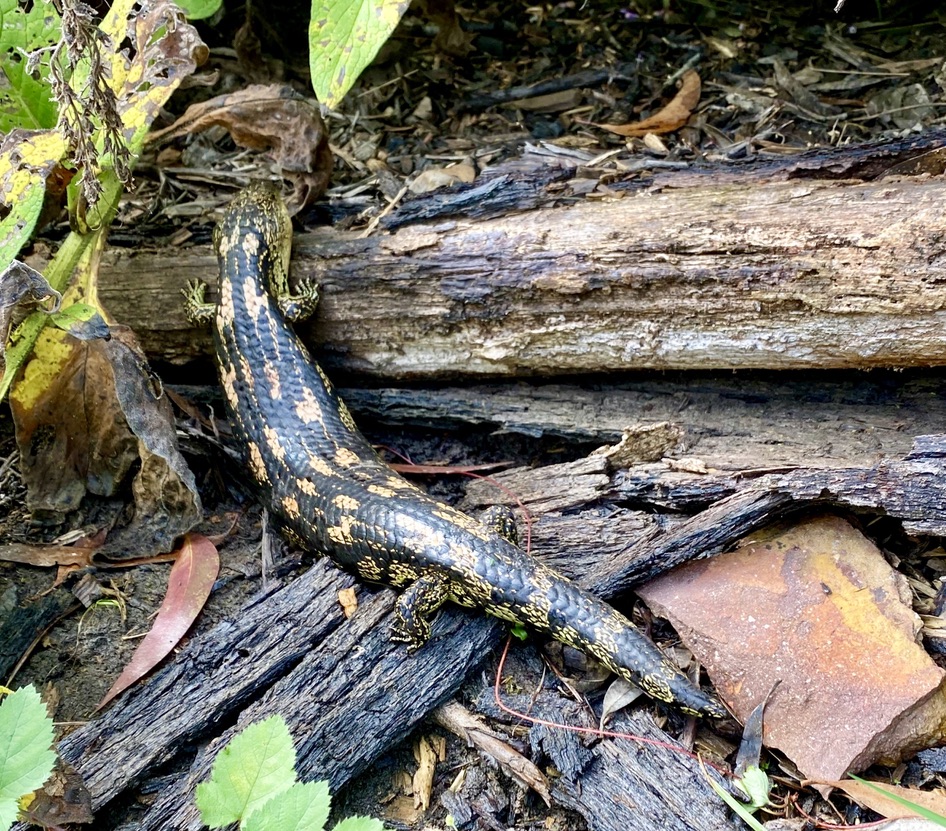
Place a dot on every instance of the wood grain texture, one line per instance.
(706, 276)
(747, 421)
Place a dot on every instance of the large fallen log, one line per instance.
(716, 273)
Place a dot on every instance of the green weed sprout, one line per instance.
(253, 782)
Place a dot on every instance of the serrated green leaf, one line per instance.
(359, 824)
(344, 37)
(26, 737)
(8, 812)
(25, 98)
(304, 807)
(199, 9)
(257, 765)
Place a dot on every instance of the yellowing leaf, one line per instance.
(166, 50)
(344, 37)
(51, 353)
(26, 159)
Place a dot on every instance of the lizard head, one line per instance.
(257, 220)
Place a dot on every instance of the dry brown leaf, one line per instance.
(865, 795)
(620, 694)
(93, 423)
(816, 608)
(46, 555)
(272, 118)
(670, 118)
(189, 585)
(450, 38)
(71, 435)
(63, 799)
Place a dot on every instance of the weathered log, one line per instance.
(912, 490)
(736, 423)
(775, 275)
(503, 189)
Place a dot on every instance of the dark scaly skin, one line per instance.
(334, 494)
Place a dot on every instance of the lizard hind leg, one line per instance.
(196, 310)
(418, 602)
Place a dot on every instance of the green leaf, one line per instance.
(344, 37)
(199, 9)
(755, 785)
(359, 824)
(25, 98)
(26, 758)
(257, 765)
(304, 807)
(82, 321)
(519, 631)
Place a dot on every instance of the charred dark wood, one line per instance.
(744, 424)
(24, 624)
(619, 783)
(348, 693)
(353, 696)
